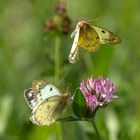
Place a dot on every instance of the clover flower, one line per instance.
(97, 92)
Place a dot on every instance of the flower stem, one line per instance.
(57, 58)
(96, 130)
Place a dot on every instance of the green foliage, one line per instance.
(79, 104)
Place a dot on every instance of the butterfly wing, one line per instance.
(49, 91)
(37, 85)
(48, 111)
(88, 38)
(30, 98)
(39, 92)
(42, 90)
(74, 49)
(106, 37)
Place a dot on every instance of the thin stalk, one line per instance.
(96, 130)
(57, 58)
(60, 132)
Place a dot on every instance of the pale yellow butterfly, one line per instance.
(90, 37)
(46, 101)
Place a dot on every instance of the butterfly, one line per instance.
(46, 101)
(90, 37)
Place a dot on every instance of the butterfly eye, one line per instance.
(51, 89)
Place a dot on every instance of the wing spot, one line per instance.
(103, 31)
(97, 37)
(51, 89)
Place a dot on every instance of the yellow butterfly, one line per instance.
(46, 101)
(90, 37)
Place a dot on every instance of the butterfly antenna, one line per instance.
(89, 21)
(81, 19)
(93, 20)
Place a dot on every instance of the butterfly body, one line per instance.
(46, 102)
(90, 38)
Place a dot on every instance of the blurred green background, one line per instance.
(27, 53)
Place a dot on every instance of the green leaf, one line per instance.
(79, 104)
